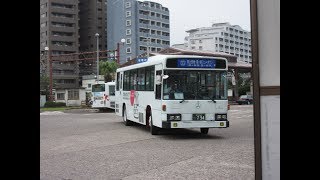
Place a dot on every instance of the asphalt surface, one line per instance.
(89, 145)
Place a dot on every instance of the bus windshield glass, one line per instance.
(195, 85)
(111, 90)
(98, 88)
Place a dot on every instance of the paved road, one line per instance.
(87, 145)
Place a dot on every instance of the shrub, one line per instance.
(54, 104)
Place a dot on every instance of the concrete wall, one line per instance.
(82, 97)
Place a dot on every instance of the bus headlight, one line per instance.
(174, 117)
(221, 117)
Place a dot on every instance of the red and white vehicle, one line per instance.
(103, 96)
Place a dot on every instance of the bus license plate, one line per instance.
(198, 117)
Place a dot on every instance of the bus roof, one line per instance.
(106, 83)
(153, 60)
(110, 83)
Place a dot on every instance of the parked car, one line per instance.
(245, 99)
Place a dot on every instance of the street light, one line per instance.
(118, 50)
(97, 36)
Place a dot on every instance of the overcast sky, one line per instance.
(188, 14)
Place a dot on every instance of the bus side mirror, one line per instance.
(165, 76)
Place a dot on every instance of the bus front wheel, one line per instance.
(204, 130)
(153, 129)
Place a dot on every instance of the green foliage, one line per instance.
(54, 104)
(243, 85)
(244, 89)
(108, 69)
(44, 85)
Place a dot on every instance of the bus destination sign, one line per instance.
(196, 63)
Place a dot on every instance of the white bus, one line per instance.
(103, 96)
(197, 98)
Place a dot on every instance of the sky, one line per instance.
(189, 14)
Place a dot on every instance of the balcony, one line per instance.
(64, 10)
(64, 48)
(63, 38)
(63, 19)
(63, 28)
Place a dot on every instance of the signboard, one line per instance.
(196, 63)
(141, 60)
(203, 63)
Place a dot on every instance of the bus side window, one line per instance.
(158, 86)
(121, 81)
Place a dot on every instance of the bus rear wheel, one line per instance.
(124, 117)
(204, 130)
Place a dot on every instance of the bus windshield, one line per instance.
(195, 85)
(98, 88)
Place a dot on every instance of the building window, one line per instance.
(128, 32)
(200, 41)
(73, 95)
(44, 15)
(200, 47)
(128, 50)
(43, 24)
(128, 4)
(60, 96)
(192, 42)
(89, 85)
(192, 47)
(128, 13)
(128, 22)
(128, 58)
(128, 41)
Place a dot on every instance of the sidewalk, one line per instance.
(83, 110)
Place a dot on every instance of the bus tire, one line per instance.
(124, 117)
(204, 130)
(154, 130)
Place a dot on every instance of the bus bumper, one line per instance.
(195, 124)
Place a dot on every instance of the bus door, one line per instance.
(118, 93)
(157, 106)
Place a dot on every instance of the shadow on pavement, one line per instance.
(177, 133)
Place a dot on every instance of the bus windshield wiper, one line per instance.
(182, 101)
(213, 99)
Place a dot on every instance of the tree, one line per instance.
(244, 85)
(44, 85)
(108, 69)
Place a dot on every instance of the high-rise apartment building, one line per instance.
(220, 37)
(59, 32)
(142, 24)
(92, 20)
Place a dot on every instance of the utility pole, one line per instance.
(97, 36)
